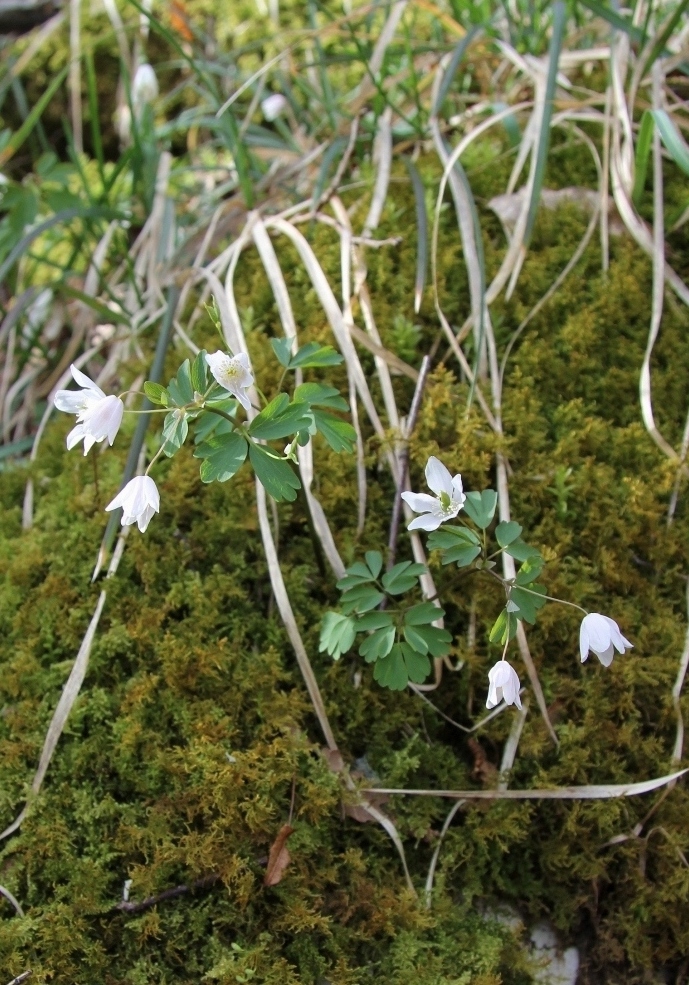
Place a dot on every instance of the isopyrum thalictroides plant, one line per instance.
(216, 399)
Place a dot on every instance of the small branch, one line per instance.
(131, 906)
(21, 978)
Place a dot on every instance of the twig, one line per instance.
(404, 460)
(464, 728)
(130, 906)
(21, 978)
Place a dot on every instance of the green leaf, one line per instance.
(418, 665)
(278, 478)
(208, 424)
(378, 645)
(314, 355)
(422, 614)
(521, 551)
(175, 430)
(317, 394)
(447, 536)
(528, 604)
(415, 640)
(391, 671)
(180, 389)
(506, 532)
(282, 349)
(530, 570)
(280, 419)
(223, 455)
(480, 507)
(504, 627)
(339, 434)
(374, 560)
(437, 640)
(374, 620)
(356, 574)
(199, 373)
(402, 577)
(362, 598)
(337, 634)
(157, 394)
(462, 555)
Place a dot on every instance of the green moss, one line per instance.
(193, 724)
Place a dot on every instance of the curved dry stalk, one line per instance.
(75, 74)
(678, 750)
(12, 900)
(436, 854)
(592, 791)
(658, 285)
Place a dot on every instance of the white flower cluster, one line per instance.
(599, 634)
(99, 417)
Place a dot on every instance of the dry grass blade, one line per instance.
(13, 900)
(61, 713)
(436, 854)
(678, 750)
(509, 752)
(75, 74)
(595, 791)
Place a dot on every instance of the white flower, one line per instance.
(273, 106)
(139, 500)
(98, 416)
(601, 635)
(447, 502)
(144, 86)
(233, 373)
(503, 684)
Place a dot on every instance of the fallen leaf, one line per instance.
(278, 858)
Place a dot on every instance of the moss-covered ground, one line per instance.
(193, 730)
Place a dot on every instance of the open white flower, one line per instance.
(503, 685)
(273, 105)
(602, 636)
(233, 373)
(445, 505)
(139, 500)
(98, 416)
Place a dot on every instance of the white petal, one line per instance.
(420, 502)
(616, 636)
(584, 645)
(75, 436)
(151, 493)
(89, 442)
(69, 401)
(242, 397)
(145, 518)
(605, 656)
(83, 380)
(438, 477)
(425, 522)
(458, 490)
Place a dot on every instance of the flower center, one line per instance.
(445, 502)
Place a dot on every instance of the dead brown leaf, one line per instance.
(278, 858)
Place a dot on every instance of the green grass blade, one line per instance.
(643, 147)
(616, 20)
(559, 19)
(18, 138)
(664, 35)
(93, 113)
(451, 71)
(674, 143)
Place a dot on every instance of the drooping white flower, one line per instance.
(602, 636)
(503, 685)
(273, 105)
(233, 373)
(98, 416)
(139, 500)
(144, 86)
(445, 505)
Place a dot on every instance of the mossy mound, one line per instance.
(193, 733)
